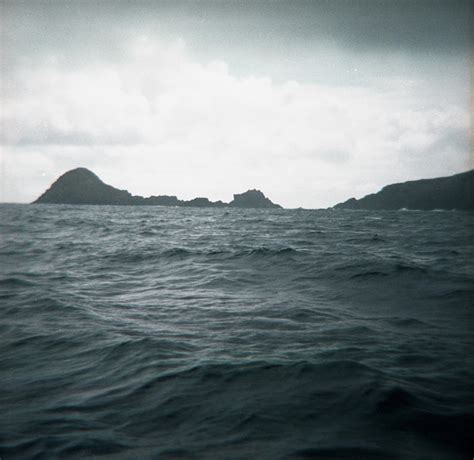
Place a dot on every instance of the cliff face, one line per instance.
(81, 186)
(453, 192)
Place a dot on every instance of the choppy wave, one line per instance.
(199, 333)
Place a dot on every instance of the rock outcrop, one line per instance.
(81, 186)
(252, 199)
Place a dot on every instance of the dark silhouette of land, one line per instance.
(81, 186)
(453, 192)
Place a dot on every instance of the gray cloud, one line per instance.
(425, 23)
(408, 26)
(320, 40)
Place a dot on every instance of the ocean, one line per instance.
(185, 333)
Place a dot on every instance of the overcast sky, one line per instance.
(312, 102)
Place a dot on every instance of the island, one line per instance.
(443, 193)
(82, 186)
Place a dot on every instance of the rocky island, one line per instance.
(81, 186)
(452, 192)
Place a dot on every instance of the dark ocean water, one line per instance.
(152, 332)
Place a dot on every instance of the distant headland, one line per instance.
(81, 186)
(452, 192)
